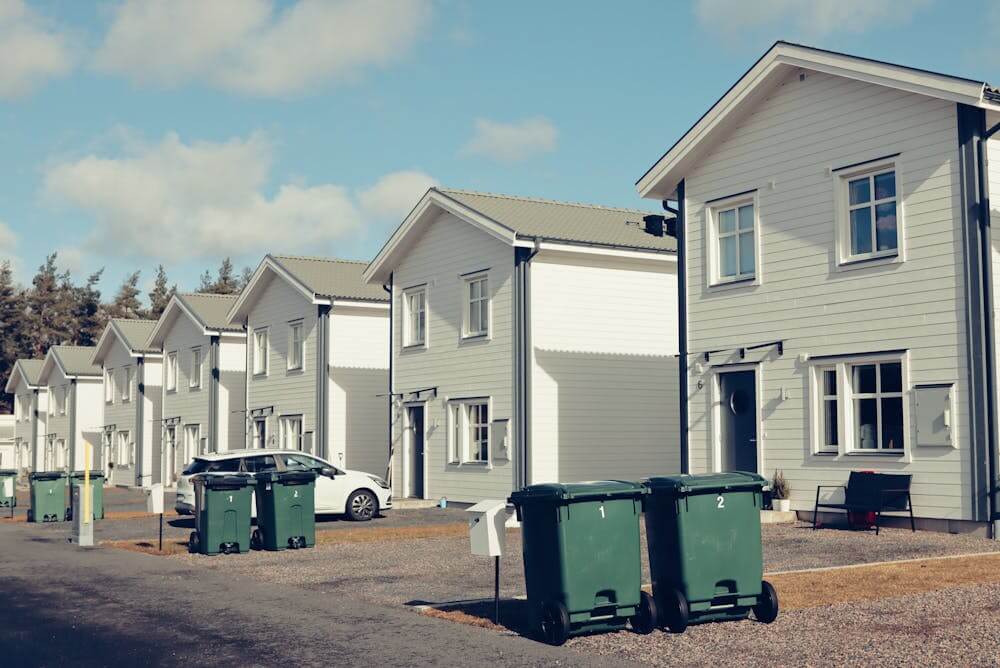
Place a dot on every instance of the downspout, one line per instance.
(989, 297)
(522, 362)
(247, 373)
(213, 395)
(72, 424)
(682, 333)
(388, 466)
(140, 439)
(321, 446)
(34, 430)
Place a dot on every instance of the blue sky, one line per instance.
(133, 133)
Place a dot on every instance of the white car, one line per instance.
(360, 496)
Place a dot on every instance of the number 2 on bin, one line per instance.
(720, 502)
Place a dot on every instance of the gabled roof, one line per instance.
(133, 333)
(207, 311)
(73, 361)
(524, 219)
(320, 280)
(661, 180)
(30, 371)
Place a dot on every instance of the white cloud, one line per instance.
(33, 50)
(512, 142)
(394, 195)
(815, 17)
(175, 201)
(253, 47)
(8, 240)
(70, 258)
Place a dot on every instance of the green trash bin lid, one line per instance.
(80, 475)
(287, 477)
(704, 483)
(46, 475)
(577, 491)
(7, 472)
(224, 481)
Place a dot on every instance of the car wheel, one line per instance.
(362, 506)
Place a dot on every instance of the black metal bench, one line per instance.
(868, 492)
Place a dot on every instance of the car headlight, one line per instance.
(381, 482)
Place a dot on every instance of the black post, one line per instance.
(496, 590)
(161, 532)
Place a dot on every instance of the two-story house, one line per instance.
(317, 360)
(204, 380)
(30, 411)
(531, 342)
(75, 408)
(836, 283)
(132, 372)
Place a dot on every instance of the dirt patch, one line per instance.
(170, 547)
(460, 617)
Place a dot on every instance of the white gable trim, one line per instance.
(167, 319)
(651, 255)
(427, 209)
(355, 303)
(782, 59)
(101, 353)
(248, 297)
(18, 372)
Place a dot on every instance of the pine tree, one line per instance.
(160, 295)
(225, 283)
(11, 324)
(89, 316)
(245, 277)
(45, 312)
(126, 303)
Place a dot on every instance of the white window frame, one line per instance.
(261, 354)
(171, 371)
(258, 441)
(715, 280)
(284, 424)
(461, 440)
(126, 388)
(821, 399)
(410, 339)
(109, 386)
(63, 395)
(124, 450)
(469, 303)
(296, 346)
(846, 413)
(845, 258)
(197, 369)
(192, 448)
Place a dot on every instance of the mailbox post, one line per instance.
(154, 506)
(487, 537)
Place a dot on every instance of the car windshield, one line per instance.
(207, 466)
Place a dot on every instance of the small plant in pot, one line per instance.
(779, 493)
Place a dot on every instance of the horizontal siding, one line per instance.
(448, 249)
(603, 378)
(122, 414)
(785, 150)
(190, 406)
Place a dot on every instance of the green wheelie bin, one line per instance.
(76, 479)
(582, 557)
(48, 496)
(8, 488)
(705, 555)
(286, 510)
(222, 514)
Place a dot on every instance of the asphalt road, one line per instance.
(62, 605)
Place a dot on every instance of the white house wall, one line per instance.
(603, 375)
(785, 149)
(29, 430)
(359, 382)
(288, 392)
(152, 426)
(232, 392)
(448, 249)
(89, 407)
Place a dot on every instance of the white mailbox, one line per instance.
(6, 487)
(154, 502)
(487, 521)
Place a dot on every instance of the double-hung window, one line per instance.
(109, 386)
(63, 396)
(872, 210)
(733, 234)
(124, 456)
(291, 432)
(260, 432)
(477, 307)
(470, 432)
(194, 382)
(415, 317)
(126, 384)
(295, 346)
(260, 352)
(859, 407)
(171, 371)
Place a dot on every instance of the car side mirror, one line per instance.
(328, 471)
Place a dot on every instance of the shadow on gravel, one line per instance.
(515, 614)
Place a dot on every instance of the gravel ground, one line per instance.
(944, 628)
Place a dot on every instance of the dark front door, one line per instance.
(416, 427)
(738, 390)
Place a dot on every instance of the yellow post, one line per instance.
(86, 483)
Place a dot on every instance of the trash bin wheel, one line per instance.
(675, 612)
(553, 623)
(194, 543)
(766, 610)
(30, 518)
(645, 617)
(256, 540)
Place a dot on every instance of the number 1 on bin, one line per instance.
(602, 512)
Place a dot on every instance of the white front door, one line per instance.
(192, 434)
(170, 456)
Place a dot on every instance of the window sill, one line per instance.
(194, 388)
(869, 261)
(295, 371)
(821, 453)
(474, 338)
(890, 454)
(414, 346)
(260, 375)
(472, 465)
(733, 284)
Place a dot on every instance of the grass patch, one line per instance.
(375, 534)
(170, 547)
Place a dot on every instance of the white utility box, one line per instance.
(487, 524)
(154, 502)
